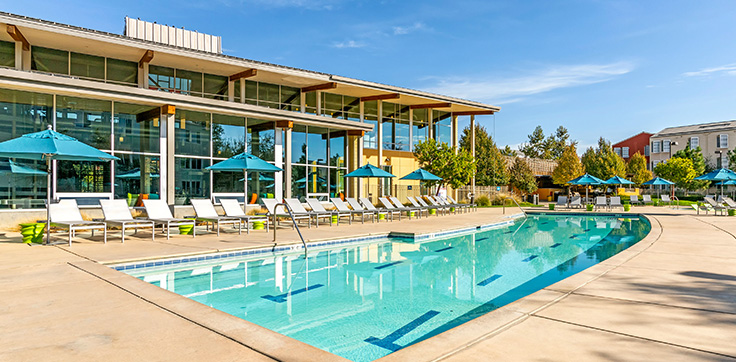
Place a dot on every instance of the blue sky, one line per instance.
(599, 68)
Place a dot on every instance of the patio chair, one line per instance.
(439, 204)
(415, 203)
(409, 209)
(634, 199)
(280, 212)
(446, 202)
(358, 206)
(576, 202)
(67, 215)
(472, 206)
(206, 212)
(117, 212)
(158, 212)
(296, 206)
(562, 201)
(316, 206)
(665, 199)
(646, 199)
(439, 209)
(369, 205)
(705, 207)
(342, 207)
(232, 209)
(715, 205)
(615, 201)
(600, 201)
(729, 202)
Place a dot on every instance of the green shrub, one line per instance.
(483, 201)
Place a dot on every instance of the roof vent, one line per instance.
(169, 35)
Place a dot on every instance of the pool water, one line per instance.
(364, 301)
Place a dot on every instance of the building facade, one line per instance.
(168, 104)
(715, 139)
(632, 145)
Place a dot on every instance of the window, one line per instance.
(192, 133)
(228, 135)
(7, 54)
(625, 152)
(87, 120)
(442, 126)
(136, 127)
(655, 146)
(646, 150)
(123, 72)
(419, 124)
(694, 142)
(666, 146)
(215, 87)
(87, 66)
(617, 150)
(722, 141)
(50, 60)
(370, 111)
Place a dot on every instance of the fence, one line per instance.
(490, 191)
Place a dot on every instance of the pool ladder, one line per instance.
(517, 205)
(291, 215)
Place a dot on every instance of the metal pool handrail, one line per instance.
(291, 215)
(503, 203)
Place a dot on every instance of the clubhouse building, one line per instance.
(168, 103)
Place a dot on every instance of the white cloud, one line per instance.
(728, 69)
(509, 90)
(402, 30)
(348, 44)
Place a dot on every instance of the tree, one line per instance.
(603, 162)
(490, 164)
(699, 165)
(731, 158)
(637, 167)
(508, 151)
(536, 147)
(522, 177)
(568, 166)
(556, 143)
(678, 170)
(440, 159)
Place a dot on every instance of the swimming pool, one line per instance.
(365, 300)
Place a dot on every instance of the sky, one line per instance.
(603, 68)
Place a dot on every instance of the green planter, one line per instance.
(186, 229)
(589, 207)
(432, 211)
(731, 212)
(334, 219)
(259, 225)
(32, 232)
(551, 206)
(627, 207)
(411, 213)
(452, 209)
(381, 216)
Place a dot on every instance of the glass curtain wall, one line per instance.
(136, 131)
(261, 143)
(395, 119)
(84, 66)
(7, 54)
(318, 162)
(228, 140)
(370, 115)
(420, 129)
(192, 155)
(271, 95)
(442, 123)
(340, 106)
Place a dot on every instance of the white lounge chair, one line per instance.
(388, 205)
(369, 206)
(634, 199)
(66, 215)
(206, 212)
(117, 212)
(576, 202)
(600, 201)
(439, 204)
(439, 209)
(472, 206)
(317, 206)
(158, 212)
(232, 209)
(715, 205)
(562, 201)
(296, 206)
(615, 201)
(445, 201)
(416, 209)
(665, 199)
(416, 203)
(358, 206)
(646, 199)
(342, 207)
(279, 211)
(729, 202)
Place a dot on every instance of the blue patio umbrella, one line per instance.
(369, 170)
(50, 145)
(658, 181)
(135, 174)
(260, 178)
(244, 162)
(586, 180)
(720, 174)
(725, 183)
(422, 175)
(618, 180)
(17, 169)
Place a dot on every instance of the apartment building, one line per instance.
(715, 139)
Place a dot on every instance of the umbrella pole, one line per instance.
(245, 190)
(48, 200)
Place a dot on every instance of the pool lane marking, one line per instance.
(555, 245)
(489, 280)
(281, 298)
(530, 258)
(443, 249)
(389, 264)
(388, 341)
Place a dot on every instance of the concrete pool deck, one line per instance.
(671, 296)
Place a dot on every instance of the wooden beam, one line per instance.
(168, 109)
(473, 113)
(146, 58)
(244, 74)
(431, 105)
(353, 132)
(285, 124)
(331, 85)
(380, 97)
(15, 33)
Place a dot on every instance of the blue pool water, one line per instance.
(364, 301)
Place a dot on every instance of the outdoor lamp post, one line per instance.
(720, 158)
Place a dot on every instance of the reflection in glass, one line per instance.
(192, 180)
(317, 146)
(299, 144)
(261, 184)
(7, 54)
(227, 181)
(87, 120)
(49, 60)
(87, 66)
(22, 184)
(299, 182)
(192, 133)
(121, 71)
(337, 181)
(261, 139)
(337, 148)
(137, 128)
(79, 176)
(370, 140)
(228, 135)
(23, 112)
(137, 174)
(215, 86)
